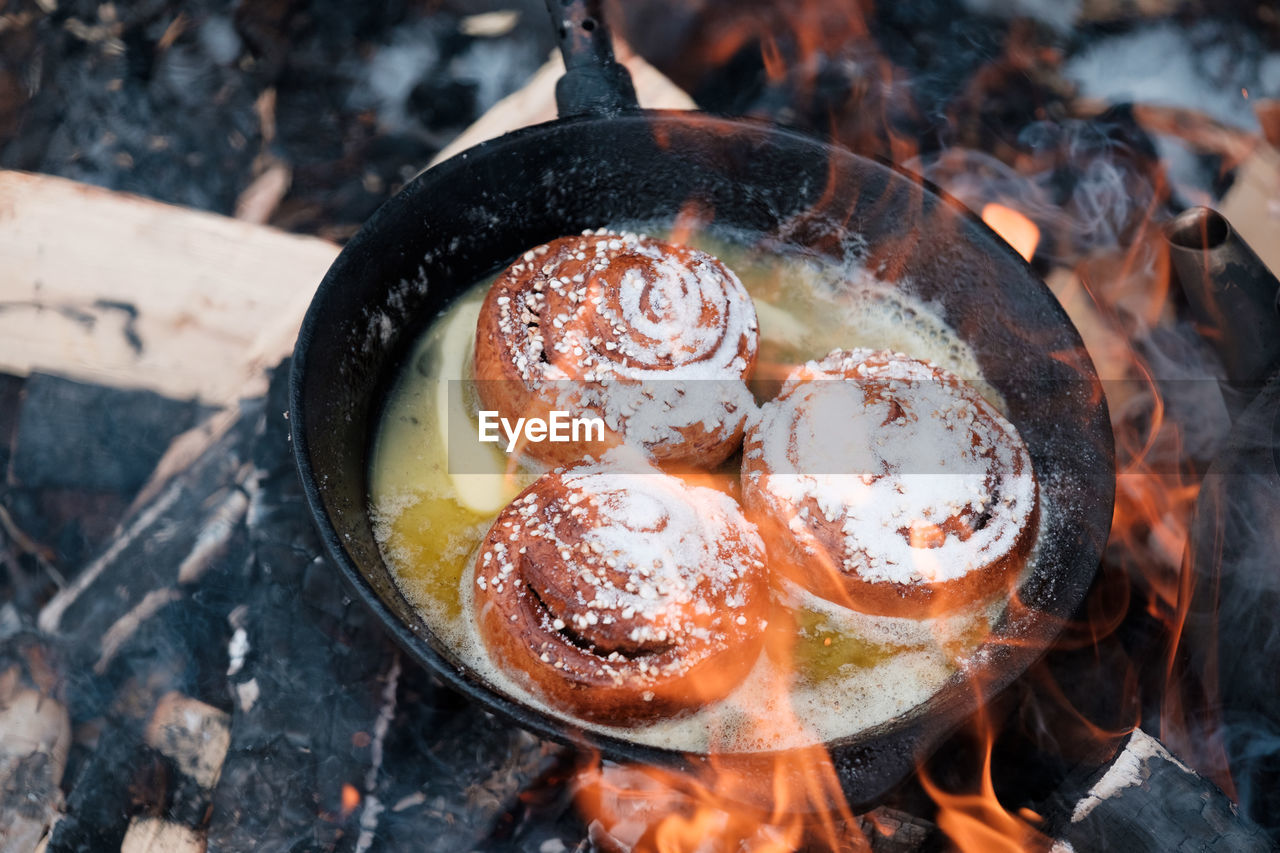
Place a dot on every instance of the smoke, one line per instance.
(1207, 67)
(1232, 637)
(391, 75)
(1087, 185)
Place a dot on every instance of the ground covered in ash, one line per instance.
(189, 101)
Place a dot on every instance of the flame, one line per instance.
(1119, 297)
(784, 801)
(719, 807)
(694, 216)
(978, 822)
(350, 798)
(1017, 230)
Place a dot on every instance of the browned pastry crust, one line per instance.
(622, 597)
(889, 485)
(654, 338)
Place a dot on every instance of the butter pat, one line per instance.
(490, 481)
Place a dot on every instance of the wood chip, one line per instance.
(152, 835)
(489, 24)
(261, 198)
(33, 755)
(195, 735)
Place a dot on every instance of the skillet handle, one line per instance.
(594, 83)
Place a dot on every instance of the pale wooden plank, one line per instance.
(536, 101)
(214, 298)
(1252, 205)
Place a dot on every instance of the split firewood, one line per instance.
(111, 288)
(1147, 801)
(116, 289)
(1252, 205)
(190, 740)
(1268, 112)
(1107, 344)
(193, 734)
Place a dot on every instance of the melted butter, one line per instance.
(824, 650)
(844, 672)
(432, 539)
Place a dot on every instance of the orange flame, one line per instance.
(977, 821)
(657, 810)
(1017, 230)
(350, 799)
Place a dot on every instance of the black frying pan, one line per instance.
(606, 161)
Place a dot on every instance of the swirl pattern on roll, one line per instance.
(655, 338)
(622, 597)
(889, 485)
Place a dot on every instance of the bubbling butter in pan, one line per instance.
(847, 671)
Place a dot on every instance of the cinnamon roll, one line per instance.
(888, 485)
(655, 339)
(622, 597)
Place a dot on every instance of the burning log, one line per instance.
(634, 809)
(1145, 799)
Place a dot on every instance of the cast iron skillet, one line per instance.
(606, 161)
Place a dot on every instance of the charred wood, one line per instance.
(1145, 799)
(230, 695)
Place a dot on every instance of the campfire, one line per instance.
(182, 666)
